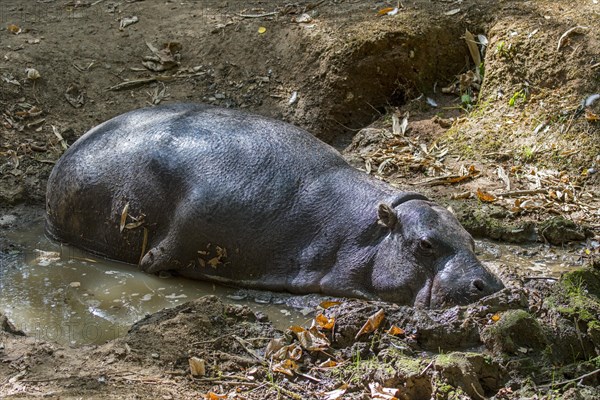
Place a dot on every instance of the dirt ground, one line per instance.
(510, 143)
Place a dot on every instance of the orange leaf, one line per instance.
(386, 10)
(473, 170)
(324, 322)
(458, 179)
(591, 117)
(214, 396)
(496, 317)
(486, 197)
(14, 29)
(372, 323)
(395, 331)
(286, 367)
(311, 339)
(329, 303)
(329, 363)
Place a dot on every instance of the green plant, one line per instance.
(500, 47)
(518, 97)
(527, 153)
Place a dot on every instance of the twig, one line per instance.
(426, 368)
(312, 378)
(253, 384)
(515, 193)
(132, 84)
(287, 392)
(532, 278)
(269, 14)
(570, 380)
(477, 392)
(250, 351)
(237, 359)
(447, 179)
(141, 82)
(220, 378)
(595, 66)
(313, 6)
(576, 29)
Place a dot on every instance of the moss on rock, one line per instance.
(516, 331)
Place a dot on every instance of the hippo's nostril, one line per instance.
(479, 285)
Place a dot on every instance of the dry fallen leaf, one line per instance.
(197, 366)
(485, 197)
(123, 217)
(32, 74)
(329, 363)
(372, 323)
(324, 323)
(386, 10)
(274, 346)
(329, 303)
(311, 339)
(337, 393)
(591, 117)
(14, 29)
(473, 50)
(504, 177)
(214, 396)
(292, 352)
(379, 392)
(395, 331)
(286, 367)
(133, 225)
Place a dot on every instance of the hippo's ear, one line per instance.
(386, 216)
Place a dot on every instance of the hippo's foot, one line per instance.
(157, 260)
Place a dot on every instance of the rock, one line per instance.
(489, 221)
(7, 326)
(516, 331)
(559, 230)
(474, 373)
(7, 220)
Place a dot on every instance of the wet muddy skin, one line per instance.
(62, 294)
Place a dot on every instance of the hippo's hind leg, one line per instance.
(169, 253)
(160, 257)
(170, 248)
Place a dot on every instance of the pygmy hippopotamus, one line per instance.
(226, 196)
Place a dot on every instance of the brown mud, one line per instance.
(515, 154)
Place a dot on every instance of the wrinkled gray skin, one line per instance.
(231, 197)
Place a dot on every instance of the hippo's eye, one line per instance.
(425, 244)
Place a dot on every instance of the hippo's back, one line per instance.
(195, 131)
(145, 166)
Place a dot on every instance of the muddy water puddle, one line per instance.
(62, 294)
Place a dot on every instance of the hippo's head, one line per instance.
(426, 258)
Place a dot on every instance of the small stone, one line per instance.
(155, 355)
